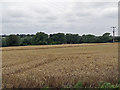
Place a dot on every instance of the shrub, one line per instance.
(107, 85)
(78, 85)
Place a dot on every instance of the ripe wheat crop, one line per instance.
(59, 65)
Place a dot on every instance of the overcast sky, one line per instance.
(53, 17)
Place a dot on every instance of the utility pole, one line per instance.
(113, 33)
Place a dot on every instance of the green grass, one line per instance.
(101, 85)
(78, 85)
(108, 85)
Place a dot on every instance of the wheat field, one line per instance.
(59, 65)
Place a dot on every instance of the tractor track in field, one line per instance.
(17, 63)
(28, 68)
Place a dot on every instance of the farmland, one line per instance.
(59, 65)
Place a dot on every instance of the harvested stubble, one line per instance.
(59, 65)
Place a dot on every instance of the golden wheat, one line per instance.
(59, 65)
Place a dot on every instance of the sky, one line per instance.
(23, 17)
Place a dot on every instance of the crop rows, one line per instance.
(59, 67)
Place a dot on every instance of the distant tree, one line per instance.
(40, 38)
(26, 41)
(4, 42)
(89, 38)
(117, 39)
(13, 40)
(106, 34)
(58, 38)
(50, 41)
(22, 35)
(106, 37)
(69, 38)
(4, 35)
(98, 39)
(72, 38)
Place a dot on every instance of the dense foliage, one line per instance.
(41, 38)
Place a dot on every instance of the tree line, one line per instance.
(41, 38)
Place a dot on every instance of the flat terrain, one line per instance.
(59, 65)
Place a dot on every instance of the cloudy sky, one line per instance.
(52, 17)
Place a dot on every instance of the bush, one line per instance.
(78, 85)
(107, 85)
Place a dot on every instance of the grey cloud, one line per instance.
(50, 17)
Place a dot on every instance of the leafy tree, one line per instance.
(72, 38)
(117, 39)
(106, 34)
(4, 42)
(89, 38)
(106, 37)
(40, 38)
(58, 38)
(26, 41)
(13, 40)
